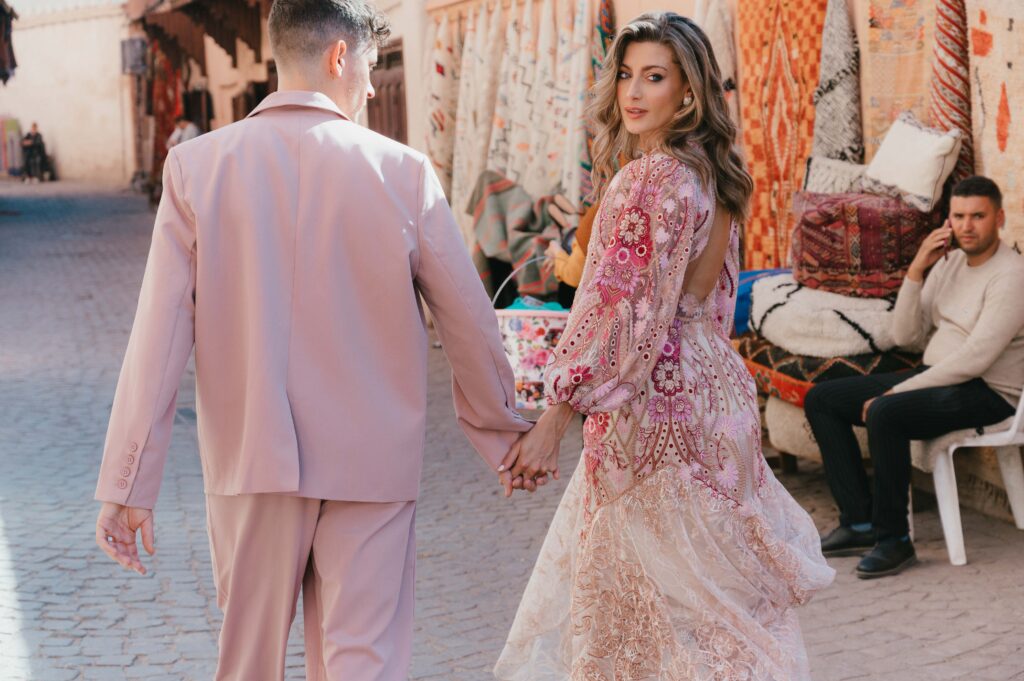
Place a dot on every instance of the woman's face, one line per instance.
(651, 89)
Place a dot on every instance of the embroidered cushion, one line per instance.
(913, 162)
(856, 244)
(782, 374)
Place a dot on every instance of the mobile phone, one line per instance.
(950, 245)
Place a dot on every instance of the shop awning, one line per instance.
(184, 23)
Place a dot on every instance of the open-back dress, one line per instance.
(675, 554)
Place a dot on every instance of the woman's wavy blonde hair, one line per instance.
(704, 121)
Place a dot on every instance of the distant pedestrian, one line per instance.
(34, 152)
(184, 130)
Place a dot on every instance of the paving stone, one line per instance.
(71, 261)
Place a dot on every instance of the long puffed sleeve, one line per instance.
(631, 284)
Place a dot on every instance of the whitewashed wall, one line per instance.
(69, 81)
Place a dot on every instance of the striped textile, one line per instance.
(951, 84)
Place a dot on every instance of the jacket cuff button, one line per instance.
(122, 483)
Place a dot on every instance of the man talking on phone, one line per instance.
(965, 301)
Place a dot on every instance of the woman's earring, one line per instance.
(688, 99)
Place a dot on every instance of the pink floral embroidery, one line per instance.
(580, 374)
(668, 380)
(615, 280)
(634, 228)
(729, 475)
(682, 410)
(657, 409)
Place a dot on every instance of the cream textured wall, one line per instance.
(69, 81)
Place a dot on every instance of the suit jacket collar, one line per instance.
(297, 98)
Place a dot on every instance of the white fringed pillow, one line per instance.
(913, 162)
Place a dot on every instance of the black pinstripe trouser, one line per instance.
(834, 407)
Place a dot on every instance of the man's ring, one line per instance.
(110, 539)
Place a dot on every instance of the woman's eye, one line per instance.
(656, 77)
(623, 75)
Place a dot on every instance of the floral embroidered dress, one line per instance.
(675, 554)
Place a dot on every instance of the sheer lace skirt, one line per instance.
(671, 582)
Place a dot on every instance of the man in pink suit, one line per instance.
(291, 250)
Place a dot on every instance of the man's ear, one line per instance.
(336, 58)
(1001, 218)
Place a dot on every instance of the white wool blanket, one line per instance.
(816, 323)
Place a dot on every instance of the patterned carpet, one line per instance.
(997, 79)
(896, 46)
(780, 46)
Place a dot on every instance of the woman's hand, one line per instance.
(535, 454)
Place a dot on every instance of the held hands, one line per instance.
(934, 246)
(116, 527)
(535, 454)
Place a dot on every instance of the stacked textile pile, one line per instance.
(852, 231)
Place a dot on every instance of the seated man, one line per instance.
(970, 305)
(184, 130)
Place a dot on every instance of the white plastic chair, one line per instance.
(1006, 440)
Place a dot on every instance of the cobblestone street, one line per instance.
(71, 261)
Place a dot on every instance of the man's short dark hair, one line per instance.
(181, 119)
(305, 28)
(977, 185)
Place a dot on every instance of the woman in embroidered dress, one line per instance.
(675, 554)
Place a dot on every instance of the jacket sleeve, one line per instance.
(160, 344)
(1001, 318)
(483, 385)
(631, 287)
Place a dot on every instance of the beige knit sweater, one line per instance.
(975, 319)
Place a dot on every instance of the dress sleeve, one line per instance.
(631, 285)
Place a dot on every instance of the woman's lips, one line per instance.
(635, 113)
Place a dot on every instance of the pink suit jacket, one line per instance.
(290, 249)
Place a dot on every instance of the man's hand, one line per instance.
(116, 527)
(932, 248)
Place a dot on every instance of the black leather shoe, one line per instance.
(846, 541)
(889, 557)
